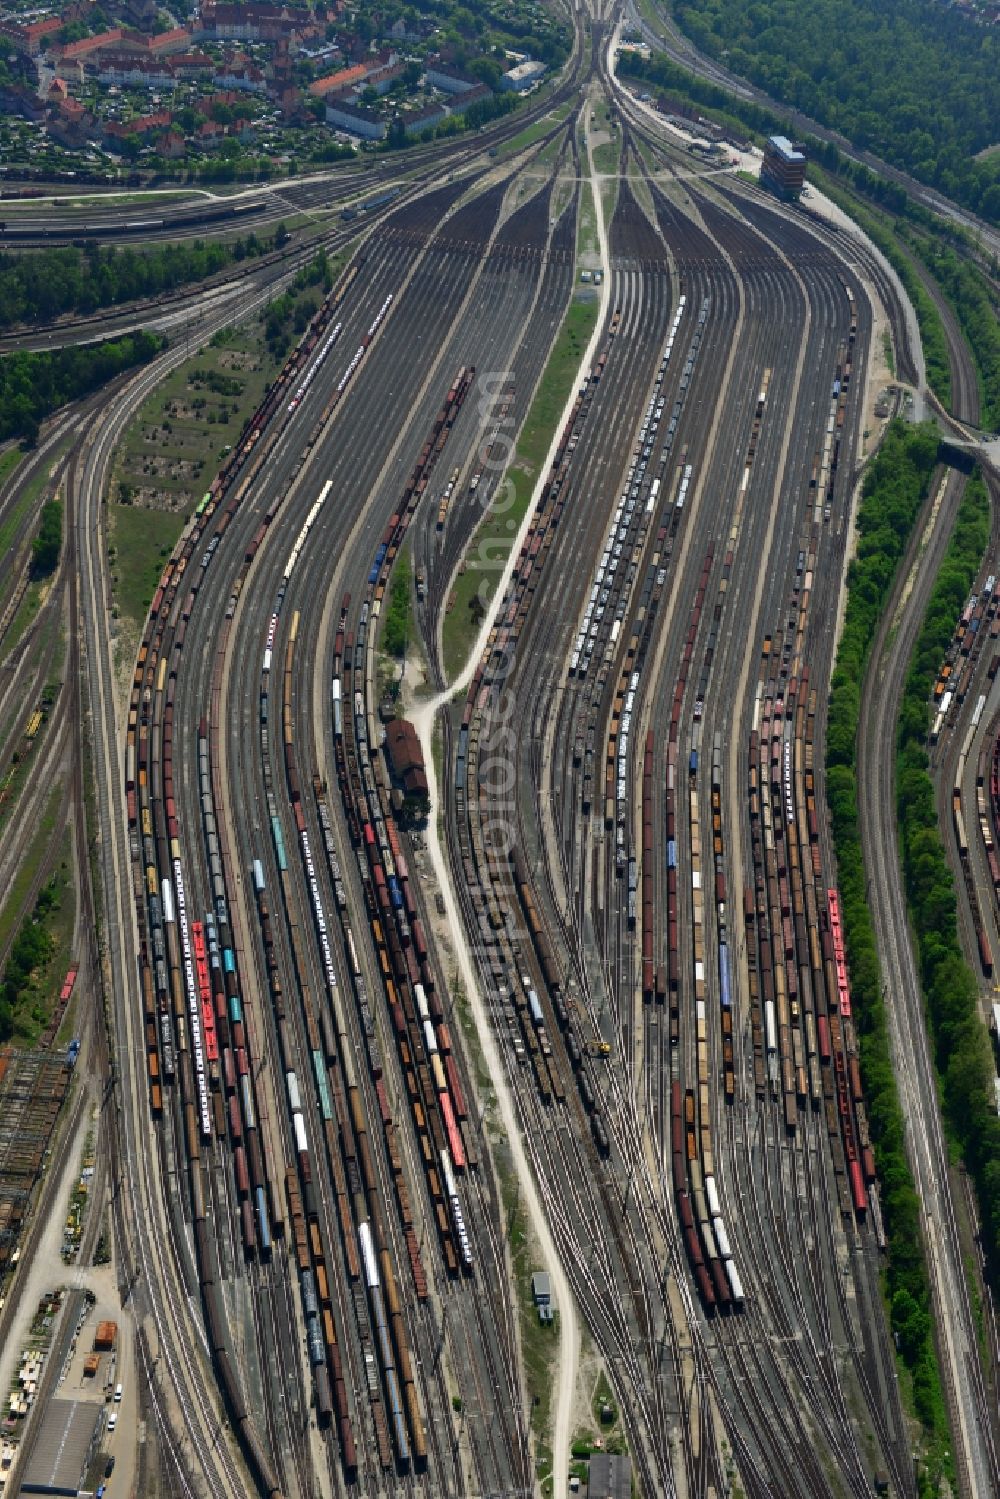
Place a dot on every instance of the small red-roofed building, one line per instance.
(171, 146)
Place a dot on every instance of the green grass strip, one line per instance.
(489, 549)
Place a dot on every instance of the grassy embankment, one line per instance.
(961, 1044)
(179, 438)
(894, 490)
(489, 548)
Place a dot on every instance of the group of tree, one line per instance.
(46, 545)
(32, 386)
(6, 54)
(482, 111)
(32, 948)
(961, 1044)
(913, 81)
(331, 151)
(96, 21)
(895, 487)
(38, 286)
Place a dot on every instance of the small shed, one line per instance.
(106, 1336)
(541, 1288)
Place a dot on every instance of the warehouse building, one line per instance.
(783, 169)
(406, 757)
(64, 1448)
(610, 1476)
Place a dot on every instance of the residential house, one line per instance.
(241, 76)
(117, 130)
(523, 77)
(416, 30)
(87, 46)
(18, 99)
(254, 23)
(363, 123)
(28, 39)
(171, 146)
(71, 124)
(416, 121)
(136, 72)
(383, 78)
(449, 80)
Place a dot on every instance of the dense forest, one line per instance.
(895, 486)
(34, 385)
(38, 286)
(912, 80)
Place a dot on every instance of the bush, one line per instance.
(46, 545)
(932, 335)
(398, 622)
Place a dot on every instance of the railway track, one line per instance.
(327, 1162)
